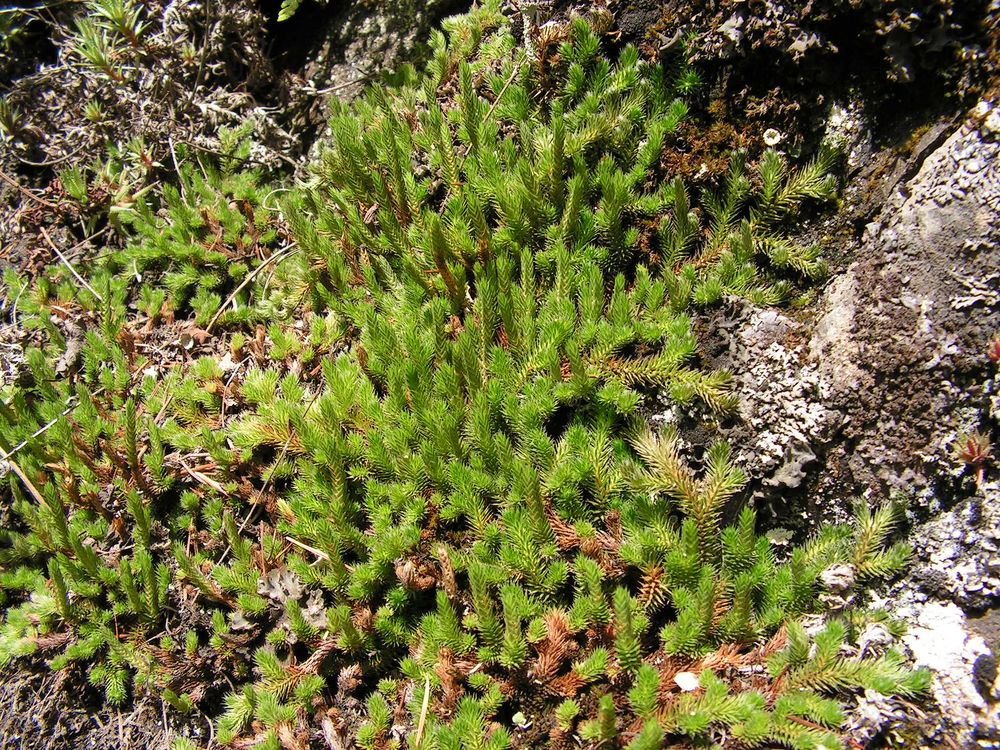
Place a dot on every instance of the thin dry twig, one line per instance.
(177, 169)
(244, 160)
(318, 552)
(79, 245)
(203, 479)
(24, 191)
(69, 265)
(204, 51)
(44, 428)
(254, 507)
(29, 485)
(345, 85)
(267, 482)
(37, 432)
(489, 114)
(250, 277)
(423, 711)
(211, 730)
(288, 442)
(52, 162)
(493, 106)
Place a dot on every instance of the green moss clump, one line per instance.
(426, 483)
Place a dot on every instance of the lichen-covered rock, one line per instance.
(912, 35)
(361, 39)
(778, 67)
(783, 417)
(870, 395)
(938, 638)
(867, 399)
(958, 552)
(902, 339)
(962, 711)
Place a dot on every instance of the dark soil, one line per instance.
(780, 67)
(45, 710)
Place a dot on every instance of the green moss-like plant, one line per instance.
(428, 472)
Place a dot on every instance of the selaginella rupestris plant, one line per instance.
(452, 516)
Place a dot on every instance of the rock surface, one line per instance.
(358, 41)
(904, 332)
(958, 552)
(940, 641)
(866, 398)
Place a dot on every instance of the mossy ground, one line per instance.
(361, 458)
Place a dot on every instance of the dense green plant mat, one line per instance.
(410, 498)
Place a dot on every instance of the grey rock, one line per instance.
(874, 639)
(956, 551)
(895, 335)
(939, 640)
(868, 398)
(839, 578)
